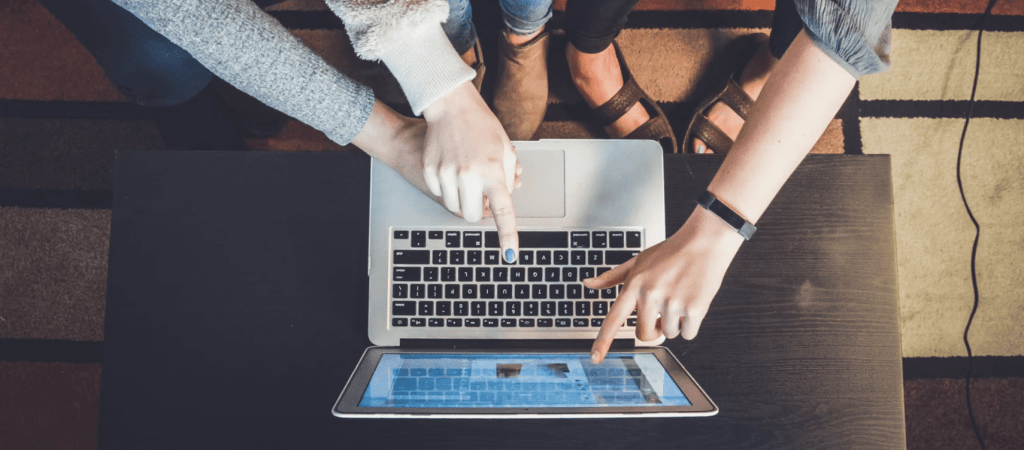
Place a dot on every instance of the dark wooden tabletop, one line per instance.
(236, 310)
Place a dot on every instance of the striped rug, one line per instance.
(61, 121)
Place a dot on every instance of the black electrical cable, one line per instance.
(977, 228)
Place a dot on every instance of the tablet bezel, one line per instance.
(347, 405)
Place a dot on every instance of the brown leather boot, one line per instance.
(521, 93)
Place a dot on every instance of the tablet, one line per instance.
(451, 383)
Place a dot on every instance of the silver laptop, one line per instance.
(461, 333)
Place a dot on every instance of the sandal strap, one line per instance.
(714, 137)
(619, 104)
(737, 99)
(656, 128)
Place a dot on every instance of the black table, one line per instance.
(236, 310)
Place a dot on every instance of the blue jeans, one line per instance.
(522, 17)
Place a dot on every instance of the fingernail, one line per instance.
(594, 356)
(510, 255)
(701, 149)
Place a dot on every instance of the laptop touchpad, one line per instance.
(543, 191)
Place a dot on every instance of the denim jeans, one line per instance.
(522, 17)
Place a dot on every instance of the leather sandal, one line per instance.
(741, 51)
(657, 128)
(479, 66)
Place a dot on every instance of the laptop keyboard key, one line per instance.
(561, 323)
(447, 274)
(451, 291)
(501, 274)
(525, 258)
(473, 323)
(526, 323)
(543, 257)
(595, 257)
(619, 256)
(487, 291)
(586, 272)
(483, 274)
(608, 293)
(540, 291)
(508, 323)
(557, 291)
(474, 257)
(565, 308)
(435, 234)
(459, 256)
(399, 290)
(419, 239)
(545, 323)
(472, 239)
(561, 258)
(401, 234)
(633, 239)
(518, 275)
(596, 322)
(574, 291)
(453, 322)
(405, 274)
(411, 257)
(490, 323)
(580, 322)
(430, 273)
(478, 308)
(403, 308)
(439, 257)
(451, 239)
(600, 308)
(591, 293)
(465, 274)
(418, 322)
(416, 291)
(444, 308)
(578, 257)
(547, 308)
(461, 308)
(582, 308)
(569, 274)
(435, 322)
(495, 308)
(600, 239)
(530, 308)
(434, 291)
(579, 239)
(504, 291)
(522, 291)
(535, 274)
(492, 257)
(469, 291)
(631, 322)
(513, 308)
(552, 274)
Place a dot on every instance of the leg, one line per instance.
(521, 92)
(591, 26)
(460, 30)
(786, 24)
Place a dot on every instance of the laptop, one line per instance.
(460, 333)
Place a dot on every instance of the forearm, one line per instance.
(800, 98)
(252, 51)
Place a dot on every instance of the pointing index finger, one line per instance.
(505, 219)
(612, 322)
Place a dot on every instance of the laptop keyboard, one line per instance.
(456, 279)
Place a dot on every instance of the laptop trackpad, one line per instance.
(543, 191)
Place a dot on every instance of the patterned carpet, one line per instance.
(61, 121)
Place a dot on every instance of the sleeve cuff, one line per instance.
(426, 65)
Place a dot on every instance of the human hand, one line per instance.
(677, 279)
(470, 163)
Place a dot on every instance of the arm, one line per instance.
(250, 50)
(468, 161)
(679, 277)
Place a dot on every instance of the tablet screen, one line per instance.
(520, 380)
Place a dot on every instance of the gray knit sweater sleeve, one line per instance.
(252, 51)
(856, 34)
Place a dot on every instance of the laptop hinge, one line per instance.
(498, 344)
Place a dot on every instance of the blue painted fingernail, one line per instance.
(509, 255)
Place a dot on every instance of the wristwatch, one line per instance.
(710, 203)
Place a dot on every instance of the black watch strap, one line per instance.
(710, 203)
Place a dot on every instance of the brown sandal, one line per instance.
(729, 92)
(657, 128)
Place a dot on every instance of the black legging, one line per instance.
(592, 25)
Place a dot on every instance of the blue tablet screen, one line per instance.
(520, 380)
